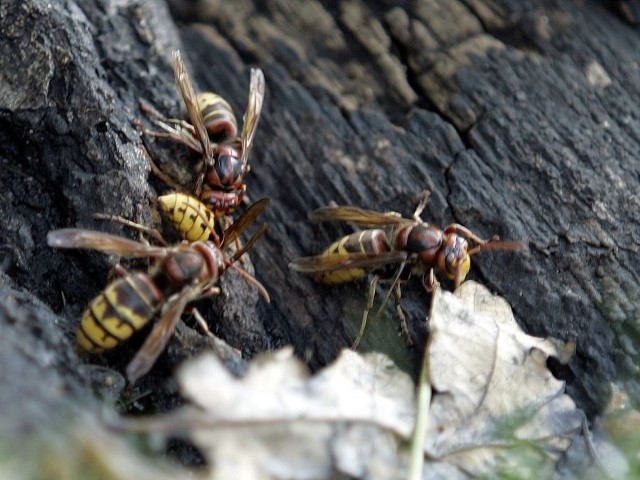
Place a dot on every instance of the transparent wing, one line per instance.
(247, 246)
(173, 129)
(252, 114)
(103, 242)
(360, 216)
(161, 333)
(343, 261)
(188, 93)
(243, 221)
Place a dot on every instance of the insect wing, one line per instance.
(103, 242)
(176, 130)
(343, 261)
(360, 216)
(252, 114)
(188, 93)
(160, 334)
(247, 246)
(247, 218)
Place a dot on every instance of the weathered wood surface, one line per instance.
(521, 121)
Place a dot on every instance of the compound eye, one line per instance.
(228, 169)
(458, 261)
(457, 268)
(451, 263)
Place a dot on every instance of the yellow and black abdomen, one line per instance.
(218, 116)
(372, 242)
(124, 307)
(189, 216)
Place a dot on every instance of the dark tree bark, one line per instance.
(521, 121)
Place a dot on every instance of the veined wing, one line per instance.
(252, 114)
(343, 261)
(102, 242)
(161, 333)
(188, 93)
(360, 216)
(247, 218)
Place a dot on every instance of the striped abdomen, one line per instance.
(189, 216)
(218, 117)
(125, 306)
(373, 241)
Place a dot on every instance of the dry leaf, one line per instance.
(497, 406)
(278, 387)
(287, 424)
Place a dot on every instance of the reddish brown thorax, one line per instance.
(201, 261)
(213, 258)
(447, 252)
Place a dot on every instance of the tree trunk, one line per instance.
(521, 120)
